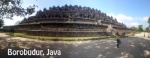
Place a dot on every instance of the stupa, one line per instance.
(70, 21)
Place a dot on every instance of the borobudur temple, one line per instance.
(70, 21)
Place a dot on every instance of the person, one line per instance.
(148, 35)
(118, 39)
(144, 34)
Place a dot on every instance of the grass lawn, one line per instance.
(57, 38)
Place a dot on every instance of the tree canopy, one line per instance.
(149, 21)
(147, 29)
(134, 28)
(9, 8)
(1, 22)
(140, 28)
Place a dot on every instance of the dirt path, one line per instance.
(141, 35)
(131, 47)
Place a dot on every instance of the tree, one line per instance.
(9, 8)
(140, 28)
(1, 22)
(147, 29)
(149, 21)
(134, 28)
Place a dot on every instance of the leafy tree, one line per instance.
(9, 8)
(134, 28)
(149, 21)
(147, 29)
(140, 28)
(1, 22)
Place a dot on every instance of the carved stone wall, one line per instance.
(70, 20)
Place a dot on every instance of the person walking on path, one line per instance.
(118, 39)
(148, 35)
(144, 34)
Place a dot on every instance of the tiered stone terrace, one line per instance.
(69, 21)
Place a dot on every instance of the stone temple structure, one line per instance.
(70, 21)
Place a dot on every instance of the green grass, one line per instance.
(57, 38)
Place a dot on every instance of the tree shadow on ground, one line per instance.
(131, 47)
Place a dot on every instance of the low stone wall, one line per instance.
(68, 34)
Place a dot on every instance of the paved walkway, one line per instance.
(141, 35)
(131, 47)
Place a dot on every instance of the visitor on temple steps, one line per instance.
(118, 39)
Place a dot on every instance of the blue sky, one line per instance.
(130, 12)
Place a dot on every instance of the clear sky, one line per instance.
(130, 12)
